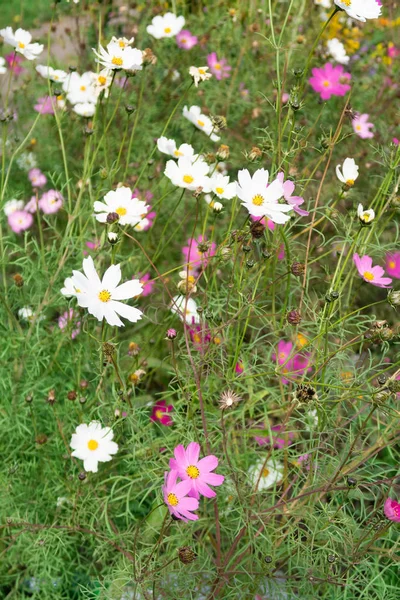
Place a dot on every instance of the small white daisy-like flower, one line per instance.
(117, 57)
(186, 174)
(80, 88)
(21, 40)
(55, 75)
(187, 284)
(26, 313)
(347, 173)
(337, 50)
(221, 187)
(130, 210)
(261, 199)
(366, 216)
(102, 81)
(102, 297)
(360, 9)
(26, 161)
(186, 309)
(199, 74)
(195, 116)
(3, 68)
(12, 206)
(84, 109)
(228, 399)
(122, 42)
(168, 146)
(93, 444)
(265, 474)
(165, 26)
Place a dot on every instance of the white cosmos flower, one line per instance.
(186, 309)
(122, 42)
(261, 199)
(365, 216)
(360, 9)
(84, 109)
(117, 57)
(221, 187)
(267, 475)
(71, 287)
(80, 88)
(3, 68)
(55, 75)
(142, 225)
(102, 81)
(168, 146)
(323, 3)
(101, 297)
(168, 25)
(216, 206)
(93, 444)
(21, 40)
(195, 116)
(12, 206)
(337, 50)
(199, 74)
(186, 174)
(130, 210)
(348, 173)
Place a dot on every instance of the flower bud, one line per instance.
(72, 395)
(171, 334)
(255, 154)
(18, 280)
(298, 269)
(51, 397)
(112, 217)
(257, 229)
(223, 152)
(293, 317)
(129, 109)
(112, 237)
(186, 555)
(393, 298)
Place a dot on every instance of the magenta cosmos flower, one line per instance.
(393, 264)
(186, 40)
(392, 510)
(330, 81)
(14, 61)
(146, 282)
(175, 497)
(294, 365)
(194, 256)
(20, 220)
(159, 413)
(37, 178)
(197, 472)
(362, 127)
(369, 273)
(279, 438)
(219, 68)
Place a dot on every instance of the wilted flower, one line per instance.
(228, 399)
(199, 74)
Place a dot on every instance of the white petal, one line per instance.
(129, 289)
(111, 277)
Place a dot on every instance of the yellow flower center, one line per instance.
(121, 211)
(350, 182)
(93, 445)
(392, 264)
(116, 60)
(200, 123)
(193, 472)
(55, 77)
(197, 340)
(21, 45)
(77, 290)
(326, 84)
(167, 30)
(121, 44)
(369, 276)
(159, 414)
(217, 66)
(202, 72)
(188, 179)
(104, 296)
(177, 153)
(358, 127)
(172, 500)
(258, 200)
(282, 356)
(264, 473)
(219, 190)
(365, 217)
(347, 2)
(83, 88)
(102, 80)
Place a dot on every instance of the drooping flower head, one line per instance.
(370, 274)
(330, 81)
(219, 68)
(186, 40)
(176, 497)
(392, 510)
(393, 264)
(93, 444)
(160, 413)
(198, 472)
(165, 26)
(362, 127)
(260, 198)
(361, 9)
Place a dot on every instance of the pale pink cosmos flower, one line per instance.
(330, 81)
(44, 106)
(362, 127)
(20, 220)
(68, 321)
(369, 273)
(393, 264)
(219, 68)
(14, 61)
(198, 472)
(148, 285)
(51, 202)
(186, 40)
(175, 497)
(195, 259)
(37, 178)
(295, 201)
(392, 510)
(294, 365)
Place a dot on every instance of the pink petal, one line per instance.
(182, 489)
(205, 490)
(213, 478)
(207, 464)
(192, 453)
(180, 455)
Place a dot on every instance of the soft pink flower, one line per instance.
(68, 320)
(275, 440)
(186, 40)
(197, 472)
(31, 205)
(14, 61)
(219, 68)
(44, 106)
(159, 413)
(393, 264)
(396, 142)
(369, 273)
(148, 285)
(175, 497)
(362, 127)
(295, 201)
(37, 178)
(195, 259)
(330, 81)
(294, 365)
(393, 52)
(20, 220)
(92, 246)
(392, 510)
(171, 333)
(51, 202)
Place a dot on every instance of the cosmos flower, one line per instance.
(51, 202)
(294, 364)
(176, 499)
(12, 206)
(392, 510)
(201, 121)
(120, 202)
(117, 57)
(261, 199)
(219, 68)
(366, 216)
(348, 173)
(362, 127)
(186, 309)
(80, 89)
(393, 264)
(294, 201)
(21, 40)
(221, 186)
(20, 220)
(186, 174)
(160, 413)
(265, 474)
(48, 72)
(279, 438)
(199, 472)
(84, 109)
(93, 444)
(337, 50)
(102, 81)
(361, 9)
(199, 74)
(165, 26)
(37, 178)
(369, 273)
(14, 63)
(68, 320)
(186, 40)
(168, 146)
(330, 81)
(147, 283)
(198, 253)
(45, 105)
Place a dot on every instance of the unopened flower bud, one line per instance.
(293, 317)
(41, 439)
(51, 397)
(112, 237)
(393, 298)
(82, 476)
(217, 207)
(198, 191)
(28, 398)
(112, 217)
(83, 384)
(72, 395)
(186, 555)
(18, 280)
(255, 154)
(103, 173)
(171, 334)
(223, 152)
(351, 482)
(298, 269)
(257, 229)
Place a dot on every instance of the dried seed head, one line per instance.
(72, 395)
(186, 555)
(51, 397)
(305, 393)
(255, 154)
(257, 229)
(298, 269)
(393, 298)
(149, 57)
(108, 349)
(228, 399)
(223, 152)
(41, 439)
(293, 317)
(18, 280)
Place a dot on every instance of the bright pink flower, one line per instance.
(196, 259)
(175, 497)
(200, 336)
(148, 285)
(51, 202)
(275, 440)
(294, 365)
(68, 321)
(396, 142)
(393, 264)
(171, 334)
(197, 472)
(37, 178)
(159, 413)
(362, 127)
(186, 40)
(20, 220)
(392, 510)
(369, 273)
(330, 81)
(393, 52)
(219, 68)
(44, 106)
(295, 201)
(14, 61)
(239, 367)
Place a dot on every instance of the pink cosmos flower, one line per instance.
(31, 206)
(20, 220)
(294, 364)
(51, 202)
(362, 127)
(392, 510)
(275, 440)
(159, 413)
(37, 178)
(219, 68)
(148, 285)
(175, 497)
(92, 246)
(197, 472)
(393, 264)
(44, 106)
(396, 141)
(186, 40)
(330, 81)
(295, 201)
(195, 259)
(239, 367)
(14, 61)
(369, 273)
(68, 320)
(243, 91)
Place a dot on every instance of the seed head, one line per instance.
(72, 395)
(186, 555)
(298, 269)
(18, 280)
(293, 317)
(305, 393)
(228, 399)
(108, 349)
(255, 154)
(51, 397)
(223, 152)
